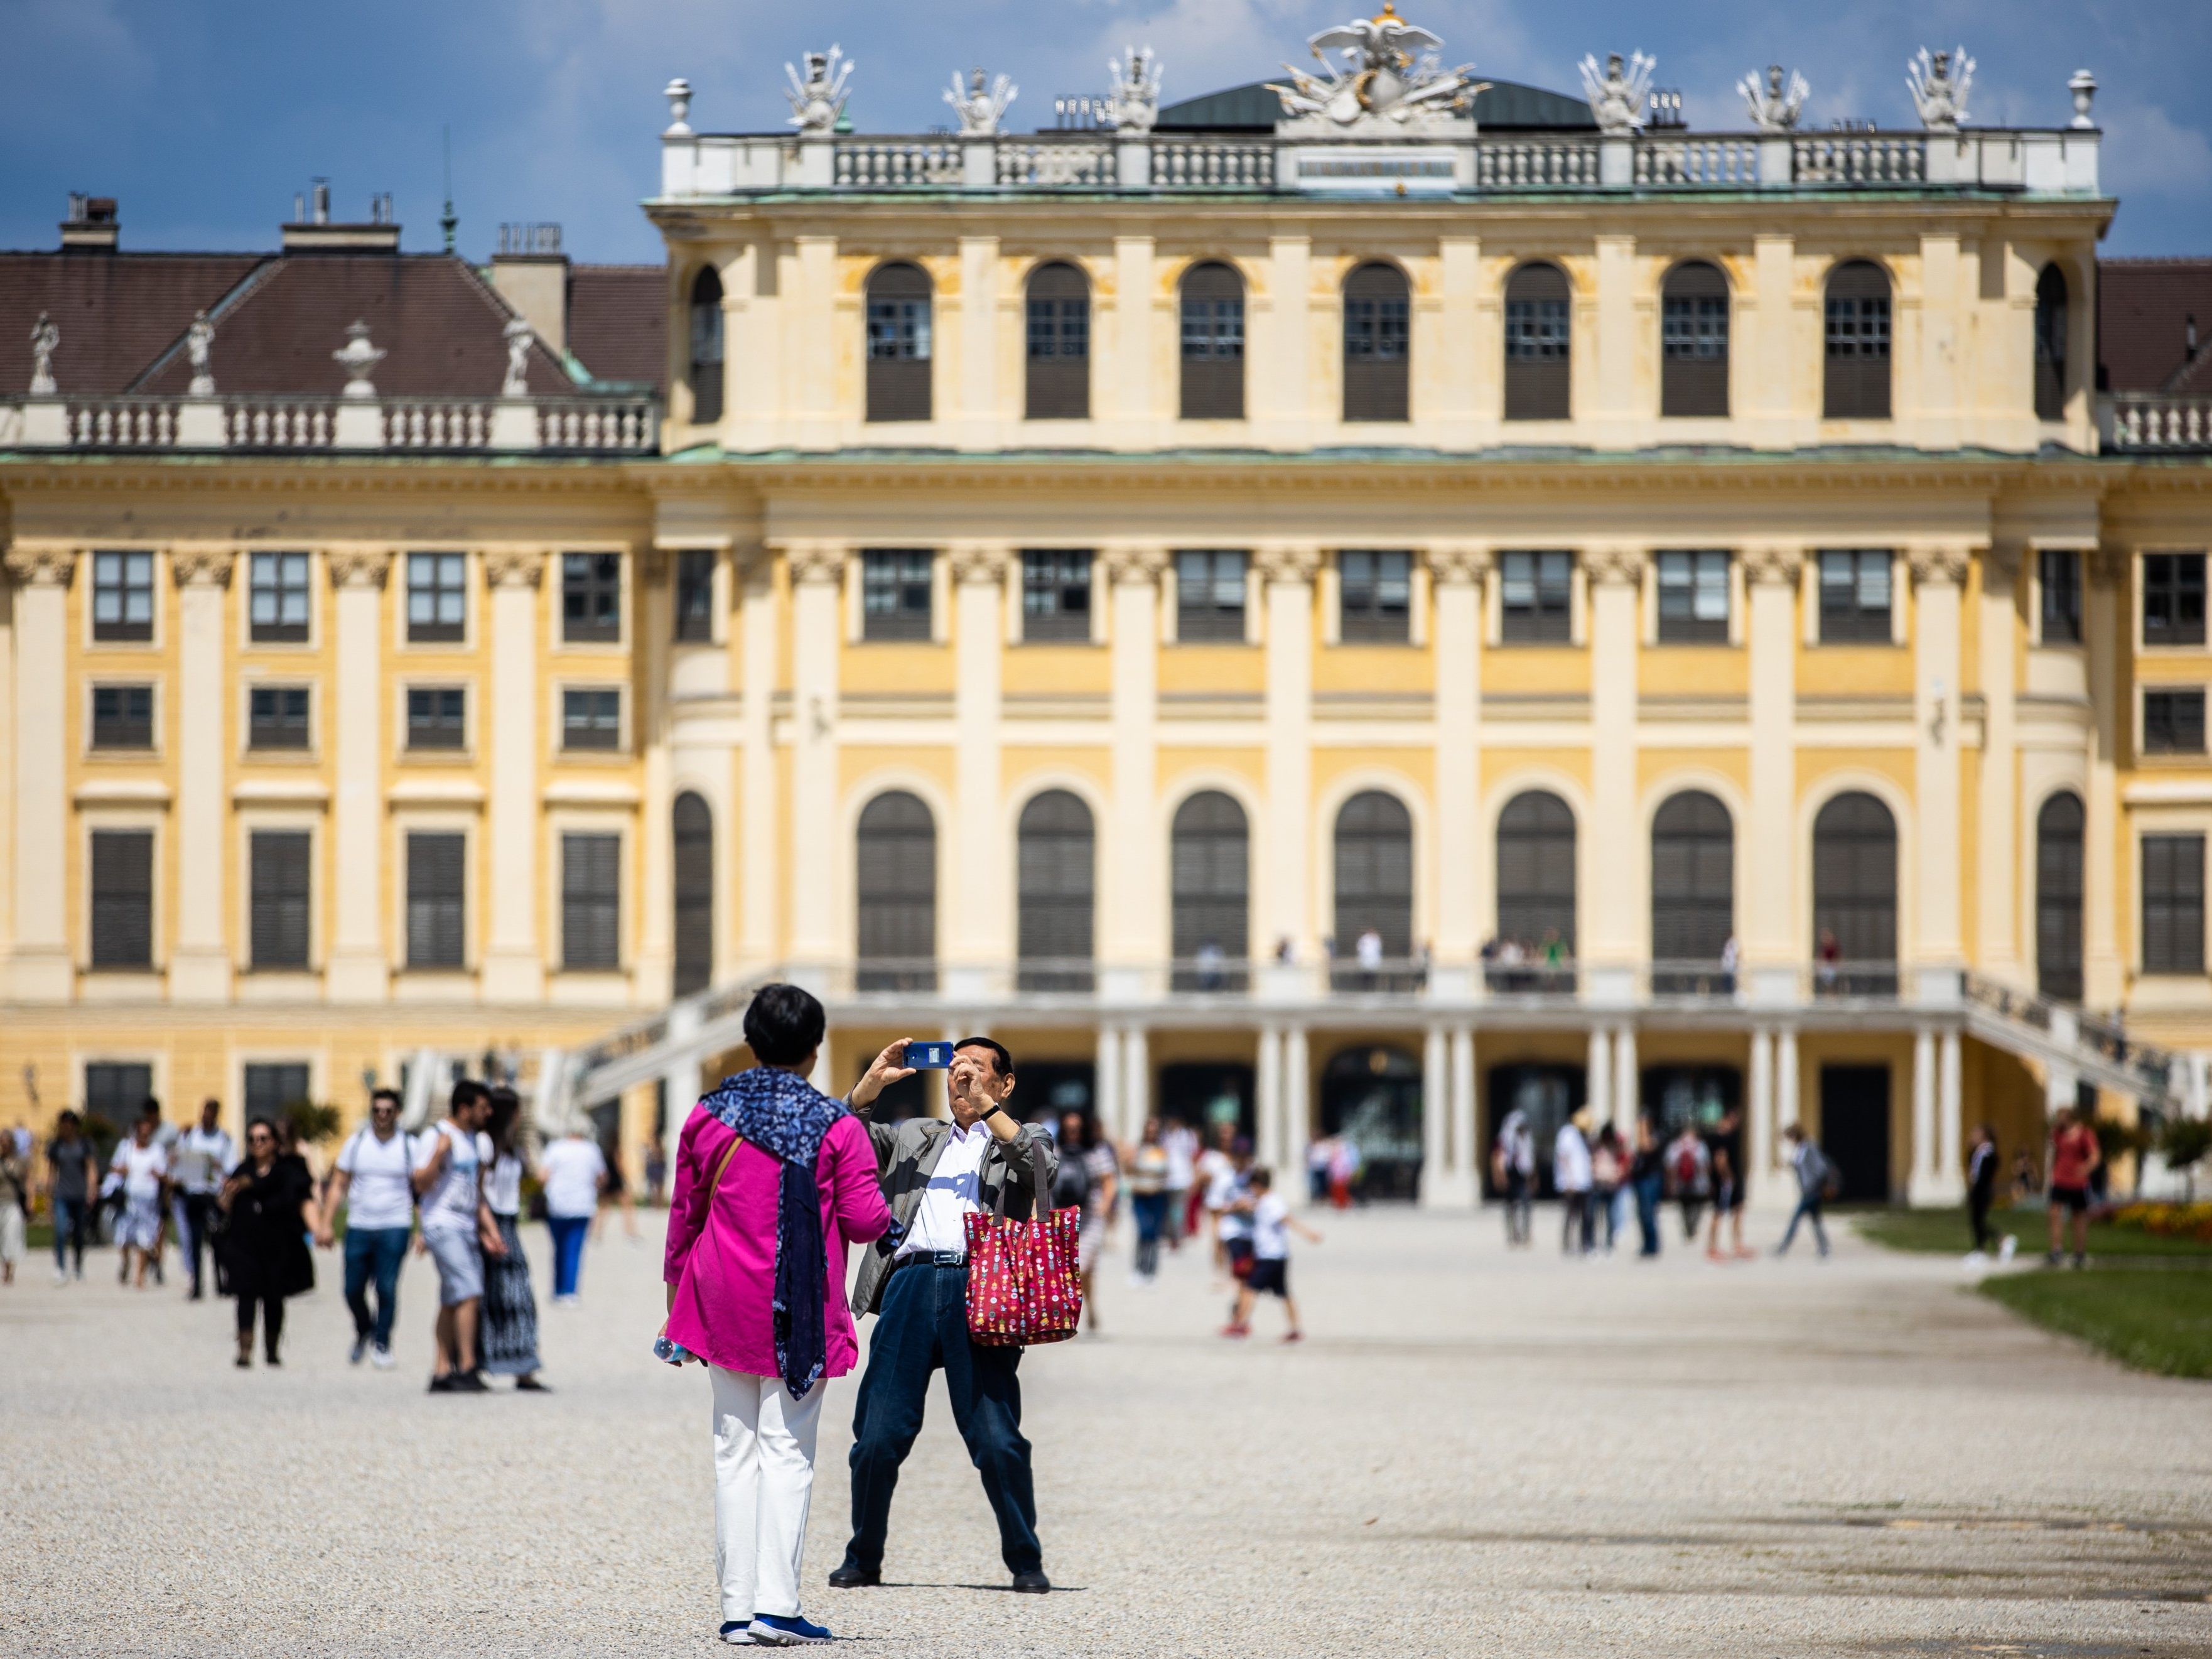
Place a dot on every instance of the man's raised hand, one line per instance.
(888, 1067)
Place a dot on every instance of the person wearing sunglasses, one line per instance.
(270, 1201)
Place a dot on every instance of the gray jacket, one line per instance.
(1014, 1174)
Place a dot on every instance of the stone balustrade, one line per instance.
(293, 425)
(2142, 422)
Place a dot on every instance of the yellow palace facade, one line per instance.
(1320, 620)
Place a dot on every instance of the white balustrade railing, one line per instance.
(278, 423)
(621, 425)
(1536, 163)
(1861, 159)
(1675, 161)
(1213, 164)
(265, 423)
(437, 424)
(122, 423)
(896, 164)
(1055, 164)
(2153, 421)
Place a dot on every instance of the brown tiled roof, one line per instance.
(117, 311)
(2143, 307)
(619, 322)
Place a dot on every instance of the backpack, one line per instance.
(1819, 1175)
(1686, 1168)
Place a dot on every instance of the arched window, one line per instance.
(705, 375)
(898, 343)
(1692, 893)
(1055, 884)
(1693, 341)
(2058, 829)
(1211, 922)
(2050, 344)
(1058, 387)
(1377, 320)
(1537, 342)
(897, 887)
(1855, 897)
(693, 823)
(1534, 946)
(1374, 892)
(1213, 342)
(1856, 383)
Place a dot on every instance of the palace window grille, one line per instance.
(1535, 892)
(1693, 341)
(123, 597)
(276, 717)
(437, 598)
(1376, 592)
(1210, 596)
(122, 898)
(278, 597)
(898, 343)
(1856, 595)
(2173, 720)
(2050, 344)
(272, 1086)
(1211, 855)
(591, 597)
(1692, 893)
(2173, 599)
(2059, 579)
(114, 1091)
(1057, 386)
(2173, 904)
(1373, 867)
(1538, 344)
(281, 878)
(1212, 320)
(123, 717)
(437, 717)
(1378, 318)
(695, 596)
(1855, 895)
(591, 902)
(692, 825)
(1855, 382)
(591, 717)
(706, 373)
(896, 592)
(1693, 599)
(1055, 593)
(436, 889)
(1536, 595)
(897, 886)
(2058, 893)
(1056, 858)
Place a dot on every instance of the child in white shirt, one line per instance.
(1272, 1224)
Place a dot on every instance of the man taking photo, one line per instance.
(934, 1176)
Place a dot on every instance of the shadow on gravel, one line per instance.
(993, 1589)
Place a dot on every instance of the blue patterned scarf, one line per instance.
(786, 1116)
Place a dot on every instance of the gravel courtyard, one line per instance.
(1474, 1454)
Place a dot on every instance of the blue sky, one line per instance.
(203, 117)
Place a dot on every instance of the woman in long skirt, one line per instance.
(509, 1338)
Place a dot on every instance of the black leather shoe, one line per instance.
(1032, 1583)
(851, 1575)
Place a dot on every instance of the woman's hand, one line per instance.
(888, 1067)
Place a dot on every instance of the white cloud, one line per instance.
(2146, 150)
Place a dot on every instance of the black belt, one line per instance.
(931, 1258)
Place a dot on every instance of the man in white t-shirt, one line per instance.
(450, 1162)
(142, 1167)
(1272, 1224)
(201, 1157)
(575, 1174)
(374, 1179)
(1181, 1142)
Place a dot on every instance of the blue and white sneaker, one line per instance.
(738, 1630)
(775, 1630)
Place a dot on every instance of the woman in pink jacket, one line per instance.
(773, 1179)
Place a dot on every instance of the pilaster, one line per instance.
(1938, 573)
(1133, 919)
(359, 969)
(817, 569)
(758, 925)
(42, 963)
(976, 415)
(1615, 919)
(655, 973)
(1611, 418)
(1279, 369)
(1456, 574)
(1132, 392)
(1770, 914)
(1286, 577)
(199, 961)
(1996, 818)
(2106, 624)
(513, 960)
(978, 915)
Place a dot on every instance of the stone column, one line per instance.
(655, 973)
(1133, 913)
(1106, 1077)
(979, 936)
(1621, 342)
(1456, 574)
(1136, 1081)
(43, 964)
(199, 962)
(1268, 1098)
(1997, 809)
(1130, 398)
(2106, 627)
(1921, 1187)
(1466, 1133)
(1616, 916)
(759, 925)
(1286, 575)
(360, 966)
(1778, 400)
(1297, 1107)
(1949, 1184)
(513, 959)
(679, 1081)
(1627, 1082)
(816, 568)
(1758, 1123)
(1597, 1080)
(1772, 950)
(976, 415)
(1938, 573)
(1436, 1120)
(1786, 1110)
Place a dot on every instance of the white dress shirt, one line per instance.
(955, 1192)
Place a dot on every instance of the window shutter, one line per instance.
(1212, 343)
(693, 823)
(1374, 874)
(896, 853)
(1055, 861)
(1058, 383)
(123, 898)
(1692, 878)
(1377, 329)
(436, 890)
(1211, 860)
(1854, 878)
(898, 381)
(271, 1088)
(1857, 314)
(1694, 372)
(1539, 344)
(280, 880)
(591, 902)
(2058, 886)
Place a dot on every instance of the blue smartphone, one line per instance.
(928, 1056)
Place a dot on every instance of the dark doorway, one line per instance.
(1372, 1097)
(1207, 1093)
(1699, 1096)
(1855, 1129)
(1053, 1086)
(1550, 1095)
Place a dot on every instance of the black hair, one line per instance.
(466, 1093)
(265, 1123)
(505, 1115)
(149, 1108)
(1261, 1178)
(1000, 1057)
(70, 1118)
(783, 1024)
(391, 1095)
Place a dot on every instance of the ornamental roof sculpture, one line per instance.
(199, 341)
(1135, 103)
(817, 101)
(1387, 79)
(980, 106)
(1775, 107)
(1939, 85)
(1618, 97)
(46, 340)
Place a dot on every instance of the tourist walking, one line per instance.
(935, 1175)
(1647, 1180)
(15, 1205)
(1724, 1144)
(574, 1172)
(1982, 1166)
(1513, 1171)
(1217, 1174)
(142, 1169)
(1689, 1172)
(72, 1190)
(374, 1182)
(1816, 1175)
(772, 1179)
(1608, 1168)
(1272, 1225)
(268, 1204)
(1181, 1143)
(1570, 1177)
(1149, 1201)
(2075, 1158)
(201, 1157)
(509, 1335)
(457, 1230)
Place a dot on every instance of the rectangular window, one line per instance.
(591, 902)
(122, 596)
(590, 718)
(437, 717)
(122, 898)
(2059, 570)
(695, 596)
(276, 717)
(1693, 599)
(1855, 597)
(1376, 592)
(277, 598)
(116, 1091)
(1856, 379)
(2174, 722)
(1055, 595)
(1210, 596)
(898, 329)
(1536, 331)
(280, 872)
(895, 592)
(2173, 599)
(437, 871)
(1212, 359)
(123, 717)
(1535, 594)
(591, 597)
(2173, 904)
(1694, 349)
(271, 1089)
(437, 598)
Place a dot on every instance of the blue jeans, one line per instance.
(569, 1232)
(378, 1252)
(1808, 1208)
(923, 1326)
(72, 1222)
(1647, 1213)
(1150, 1212)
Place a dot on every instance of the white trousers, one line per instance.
(763, 1481)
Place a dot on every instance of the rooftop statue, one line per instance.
(519, 334)
(1389, 79)
(199, 340)
(1775, 107)
(1135, 102)
(1939, 87)
(46, 340)
(978, 106)
(1619, 96)
(818, 101)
